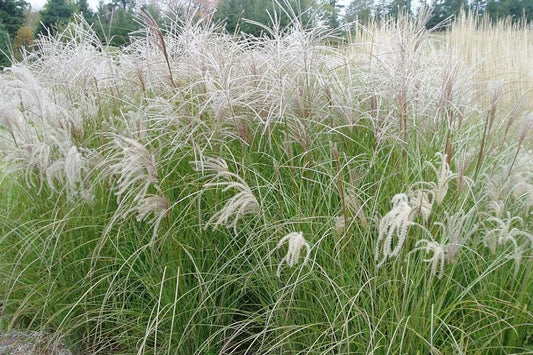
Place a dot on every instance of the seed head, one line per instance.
(296, 243)
(394, 224)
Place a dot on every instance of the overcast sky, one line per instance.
(38, 4)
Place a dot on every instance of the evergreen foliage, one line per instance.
(82, 6)
(235, 13)
(333, 9)
(12, 15)
(444, 9)
(516, 10)
(360, 11)
(443, 12)
(55, 15)
(4, 46)
(115, 23)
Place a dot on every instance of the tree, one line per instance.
(234, 13)
(4, 46)
(516, 10)
(23, 41)
(360, 11)
(444, 9)
(115, 23)
(478, 7)
(333, 8)
(396, 7)
(154, 10)
(82, 6)
(12, 15)
(54, 16)
(124, 4)
(122, 25)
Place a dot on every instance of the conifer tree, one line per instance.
(54, 16)
(234, 14)
(12, 15)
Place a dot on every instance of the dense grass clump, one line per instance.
(198, 193)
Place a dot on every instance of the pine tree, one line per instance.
(234, 13)
(360, 11)
(396, 7)
(115, 23)
(444, 9)
(4, 46)
(55, 15)
(333, 9)
(82, 6)
(12, 15)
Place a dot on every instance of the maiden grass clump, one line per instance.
(122, 168)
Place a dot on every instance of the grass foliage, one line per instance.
(194, 193)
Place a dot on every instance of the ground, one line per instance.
(30, 343)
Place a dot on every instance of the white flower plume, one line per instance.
(135, 167)
(394, 224)
(456, 232)
(504, 232)
(134, 170)
(444, 175)
(154, 205)
(241, 204)
(439, 189)
(438, 259)
(421, 202)
(296, 243)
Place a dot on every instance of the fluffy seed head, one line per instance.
(394, 224)
(296, 243)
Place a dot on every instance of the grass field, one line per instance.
(198, 194)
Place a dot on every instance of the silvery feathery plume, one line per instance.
(523, 190)
(421, 202)
(69, 171)
(73, 167)
(154, 205)
(497, 208)
(242, 203)
(38, 156)
(444, 175)
(135, 167)
(352, 203)
(438, 259)
(339, 225)
(394, 224)
(296, 243)
(454, 235)
(517, 252)
(28, 87)
(512, 180)
(10, 118)
(504, 232)
(456, 232)
(34, 122)
(212, 167)
(135, 171)
(496, 187)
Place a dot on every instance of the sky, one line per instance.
(38, 4)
